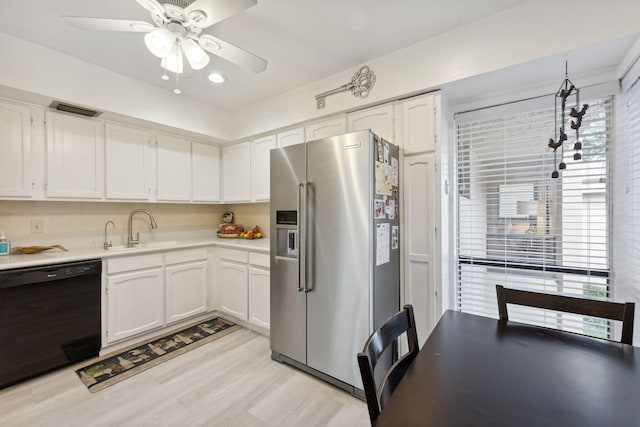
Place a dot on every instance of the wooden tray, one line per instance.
(36, 249)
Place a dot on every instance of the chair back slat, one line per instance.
(377, 394)
(623, 312)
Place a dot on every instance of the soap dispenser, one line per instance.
(4, 245)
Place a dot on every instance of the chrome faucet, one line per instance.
(130, 240)
(109, 244)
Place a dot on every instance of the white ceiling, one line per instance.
(302, 40)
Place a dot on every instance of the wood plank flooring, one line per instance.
(231, 381)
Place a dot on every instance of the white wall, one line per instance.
(31, 68)
(529, 31)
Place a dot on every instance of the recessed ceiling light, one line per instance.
(216, 78)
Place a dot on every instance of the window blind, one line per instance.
(519, 227)
(632, 154)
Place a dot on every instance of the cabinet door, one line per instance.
(419, 117)
(233, 289)
(174, 168)
(290, 137)
(419, 241)
(135, 303)
(15, 146)
(378, 119)
(186, 290)
(127, 157)
(236, 172)
(259, 284)
(326, 128)
(260, 167)
(75, 157)
(205, 162)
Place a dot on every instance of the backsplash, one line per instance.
(63, 220)
(75, 223)
(251, 214)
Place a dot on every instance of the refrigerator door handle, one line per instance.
(301, 240)
(309, 237)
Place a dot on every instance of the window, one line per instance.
(626, 193)
(519, 227)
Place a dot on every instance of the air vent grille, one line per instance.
(74, 109)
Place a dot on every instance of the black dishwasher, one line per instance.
(49, 317)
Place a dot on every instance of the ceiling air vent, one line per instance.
(74, 109)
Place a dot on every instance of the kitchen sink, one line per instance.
(144, 245)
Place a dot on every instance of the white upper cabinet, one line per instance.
(419, 118)
(326, 128)
(75, 157)
(205, 162)
(15, 146)
(127, 155)
(173, 168)
(290, 137)
(236, 172)
(260, 167)
(378, 119)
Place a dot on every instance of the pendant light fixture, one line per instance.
(567, 89)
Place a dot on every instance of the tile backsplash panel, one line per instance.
(251, 214)
(67, 222)
(60, 219)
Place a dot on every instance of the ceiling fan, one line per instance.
(176, 31)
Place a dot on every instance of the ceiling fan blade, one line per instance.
(233, 53)
(103, 24)
(215, 10)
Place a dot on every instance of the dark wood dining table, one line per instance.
(478, 371)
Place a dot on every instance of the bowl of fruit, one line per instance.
(254, 233)
(230, 231)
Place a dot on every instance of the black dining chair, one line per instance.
(588, 307)
(379, 392)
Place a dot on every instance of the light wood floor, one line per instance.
(228, 382)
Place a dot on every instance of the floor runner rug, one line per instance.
(115, 367)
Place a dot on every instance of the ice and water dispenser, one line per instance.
(287, 234)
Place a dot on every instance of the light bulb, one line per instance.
(173, 62)
(160, 42)
(216, 78)
(197, 57)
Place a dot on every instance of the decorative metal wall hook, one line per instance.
(360, 85)
(567, 88)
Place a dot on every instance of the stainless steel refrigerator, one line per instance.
(335, 264)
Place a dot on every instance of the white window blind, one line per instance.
(626, 224)
(519, 227)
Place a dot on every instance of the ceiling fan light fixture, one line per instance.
(173, 62)
(197, 57)
(216, 78)
(160, 42)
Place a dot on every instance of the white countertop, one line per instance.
(57, 256)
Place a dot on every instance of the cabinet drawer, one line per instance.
(187, 255)
(259, 259)
(138, 262)
(233, 255)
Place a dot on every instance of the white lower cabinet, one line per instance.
(186, 284)
(233, 288)
(259, 283)
(135, 296)
(244, 282)
(147, 292)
